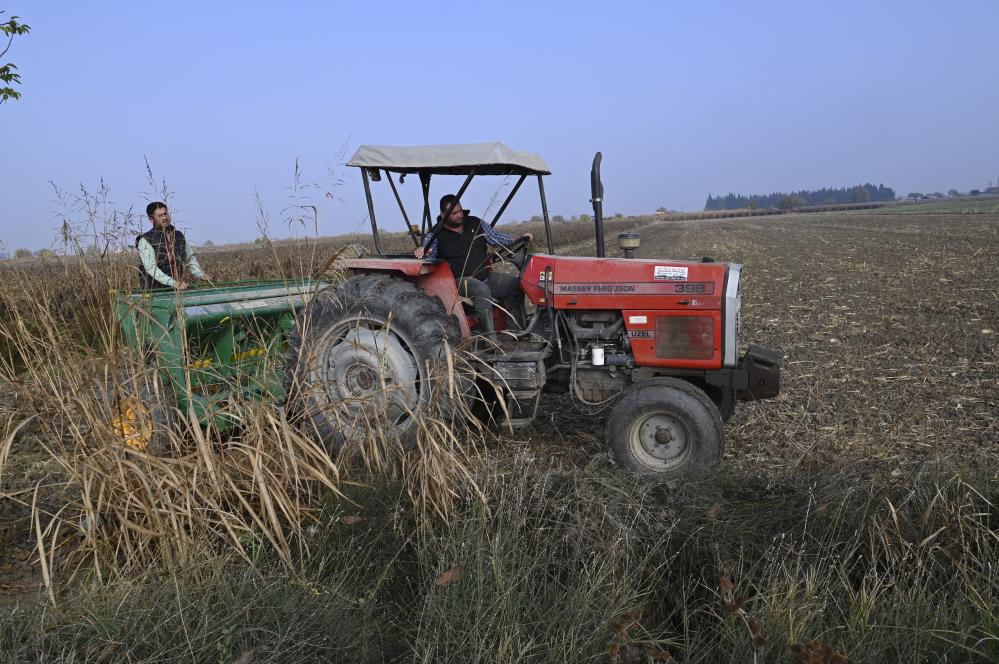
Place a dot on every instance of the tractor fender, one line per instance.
(434, 277)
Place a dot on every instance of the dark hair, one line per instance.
(153, 207)
(446, 201)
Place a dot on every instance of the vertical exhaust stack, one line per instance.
(597, 198)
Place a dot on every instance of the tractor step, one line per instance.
(522, 406)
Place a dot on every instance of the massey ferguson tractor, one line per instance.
(655, 340)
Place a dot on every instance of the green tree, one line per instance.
(860, 195)
(788, 202)
(8, 72)
(22, 253)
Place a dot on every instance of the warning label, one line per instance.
(670, 273)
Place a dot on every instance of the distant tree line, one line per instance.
(864, 193)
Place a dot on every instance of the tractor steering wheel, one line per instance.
(515, 253)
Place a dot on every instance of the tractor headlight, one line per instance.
(733, 314)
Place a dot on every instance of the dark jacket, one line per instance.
(467, 252)
(171, 255)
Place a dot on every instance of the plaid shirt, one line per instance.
(493, 237)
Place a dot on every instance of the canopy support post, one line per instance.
(402, 208)
(544, 211)
(509, 198)
(371, 212)
(427, 222)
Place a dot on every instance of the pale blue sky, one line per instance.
(683, 99)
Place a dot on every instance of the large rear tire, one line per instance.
(666, 428)
(366, 355)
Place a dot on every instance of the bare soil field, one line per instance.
(853, 518)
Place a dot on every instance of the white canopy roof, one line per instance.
(485, 158)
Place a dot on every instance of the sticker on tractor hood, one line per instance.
(670, 273)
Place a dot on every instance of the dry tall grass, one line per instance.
(107, 508)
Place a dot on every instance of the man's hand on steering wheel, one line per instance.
(515, 252)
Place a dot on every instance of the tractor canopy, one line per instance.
(480, 158)
(426, 161)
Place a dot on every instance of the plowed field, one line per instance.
(888, 324)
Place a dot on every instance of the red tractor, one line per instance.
(655, 340)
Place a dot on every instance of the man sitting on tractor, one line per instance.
(461, 241)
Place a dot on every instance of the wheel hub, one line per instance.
(359, 379)
(661, 437)
(371, 370)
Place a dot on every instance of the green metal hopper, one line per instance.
(216, 346)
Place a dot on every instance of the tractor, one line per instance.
(656, 341)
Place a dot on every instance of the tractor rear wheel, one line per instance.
(362, 357)
(665, 427)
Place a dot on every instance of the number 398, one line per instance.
(689, 288)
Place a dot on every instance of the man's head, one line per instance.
(457, 216)
(158, 214)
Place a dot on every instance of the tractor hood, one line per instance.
(616, 283)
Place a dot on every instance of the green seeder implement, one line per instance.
(213, 347)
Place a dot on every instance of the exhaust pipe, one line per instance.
(597, 198)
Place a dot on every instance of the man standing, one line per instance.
(166, 257)
(462, 242)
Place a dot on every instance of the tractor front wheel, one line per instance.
(665, 427)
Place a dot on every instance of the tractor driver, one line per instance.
(462, 243)
(159, 249)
